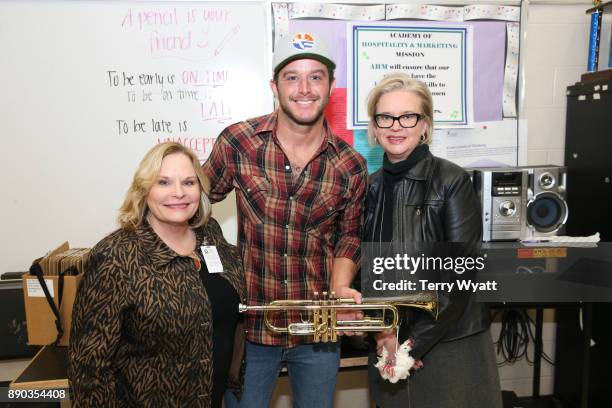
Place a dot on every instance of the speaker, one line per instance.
(547, 209)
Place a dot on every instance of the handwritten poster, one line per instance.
(201, 61)
(90, 86)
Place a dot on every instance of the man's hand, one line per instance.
(343, 272)
(345, 292)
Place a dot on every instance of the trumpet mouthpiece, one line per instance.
(242, 308)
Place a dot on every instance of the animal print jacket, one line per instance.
(142, 323)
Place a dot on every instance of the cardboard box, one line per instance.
(39, 315)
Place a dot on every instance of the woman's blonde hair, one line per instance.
(134, 207)
(401, 82)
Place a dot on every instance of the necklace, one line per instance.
(296, 172)
(296, 167)
(196, 260)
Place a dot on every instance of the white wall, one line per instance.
(555, 55)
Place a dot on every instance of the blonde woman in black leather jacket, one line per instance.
(419, 198)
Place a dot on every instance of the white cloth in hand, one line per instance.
(398, 368)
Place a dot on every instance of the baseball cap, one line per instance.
(302, 45)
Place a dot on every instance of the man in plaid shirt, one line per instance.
(300, 195)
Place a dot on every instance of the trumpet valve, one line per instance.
(333, 321)
(325, 326)
(316, 317)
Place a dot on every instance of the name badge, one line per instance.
(212, 259)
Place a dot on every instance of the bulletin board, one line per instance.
(488, 133)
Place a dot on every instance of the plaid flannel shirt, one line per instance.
(289, 233)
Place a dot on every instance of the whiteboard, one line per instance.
(89, 86)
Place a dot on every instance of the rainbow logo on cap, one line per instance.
(303, 41)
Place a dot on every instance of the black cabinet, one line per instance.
(588, 157)
(582, 368)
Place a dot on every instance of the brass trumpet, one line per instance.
(323, 323)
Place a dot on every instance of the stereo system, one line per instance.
(521, 202)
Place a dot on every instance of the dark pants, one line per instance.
(456, 374)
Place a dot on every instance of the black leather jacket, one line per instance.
(433, 202)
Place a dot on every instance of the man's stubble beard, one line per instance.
(287, 111)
